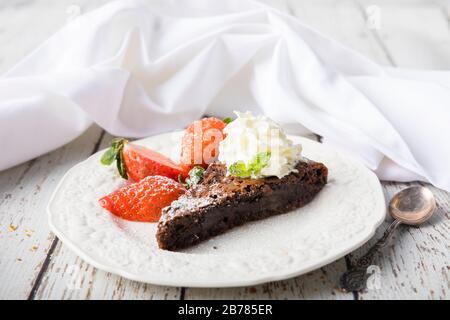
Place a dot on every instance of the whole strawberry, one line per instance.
(144, 200)
(200, 142)
(137, 162)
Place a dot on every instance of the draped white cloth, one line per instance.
(138, 68)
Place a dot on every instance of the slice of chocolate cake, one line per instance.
(221, 202)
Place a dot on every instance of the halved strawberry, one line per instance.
(143, 200)
(141, 162)
(137, 162)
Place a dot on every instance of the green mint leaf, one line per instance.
(260, 161)
(109, 156)
(180, 178)
(115, 153)
(239, 169)
(195, 176)
(227, 120)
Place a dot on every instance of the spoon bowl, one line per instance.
(413, 205)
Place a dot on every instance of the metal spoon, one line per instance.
(411, 206)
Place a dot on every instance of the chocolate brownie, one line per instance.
(221, 202)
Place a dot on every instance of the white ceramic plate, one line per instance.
(342, 217)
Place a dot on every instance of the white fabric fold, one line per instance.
(138, 68)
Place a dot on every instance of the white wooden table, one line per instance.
(34, 264)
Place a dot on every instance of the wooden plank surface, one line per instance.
(416, 35)
(24, 25)
(68, 277)
(417, 266)
(319, 284)
(25, 238)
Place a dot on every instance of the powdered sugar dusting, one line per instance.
(186, 204)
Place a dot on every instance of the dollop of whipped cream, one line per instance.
(257, 147)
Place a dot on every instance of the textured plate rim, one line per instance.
(212, 283)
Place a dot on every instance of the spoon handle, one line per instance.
(366, 260)
(355, 278)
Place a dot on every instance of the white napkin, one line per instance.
(142, 67)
